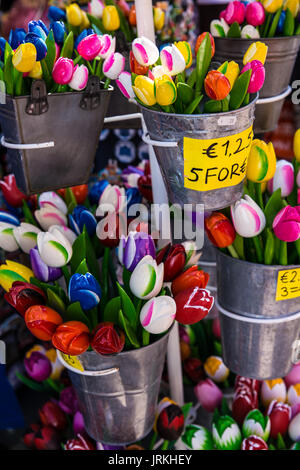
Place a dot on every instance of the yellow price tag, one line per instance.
(288, 284)
(216, 163)
(73, 361)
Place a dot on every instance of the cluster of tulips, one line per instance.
(252, 20)
(159, 80)
(263, 226)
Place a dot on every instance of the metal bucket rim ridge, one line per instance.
(273, 39)
(269, 267)
(262, 320)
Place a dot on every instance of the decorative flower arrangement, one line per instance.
(253, 20)
(160, 79)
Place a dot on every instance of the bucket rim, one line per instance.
(269, 267)
(204, 115)
(273, 39)
(262, 320)
(275, 98)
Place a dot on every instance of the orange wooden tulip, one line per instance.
(80, 192)
(192, 277)
(72, 337)
(219, 230)
(216, 85)
(135, 67)
(132, 16)
(200, 38)
(42, 321)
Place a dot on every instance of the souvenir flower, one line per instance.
(133, 197)
(42, 438)
(59, 30)
(193, 368)
(7, 240)
(257, 75)
(173, 257)
(231, 71)
(42, 321)
(66, 232)
(85, 289)
(158, 314)
(219, 230)
(208, 394)
(11, 272)
(135, 67)
(247, 217)
(95, 8)
(74, 16)
(255, 14)
(245, 382)
(271, 6)
(52, 199)
(41, 270)
(147, 278)
(217, 85)
(26, 236)
(145, 51)
(110, 229)
(38, 366)
(132, 16)
(80, 192)
(16, 37)
(283, 178)
(280, 415)
(192, 253)
(201, 38)
(54, 248)
(36, 72)
(23, 295)
(80, 442)
(169, 421)
(294, 428)
(193, 305)
(63, 70)
(219, 28)
(250, 32)
(293, 6)
(108, 46)
(257, 51)
(85, 22)
(135, 247)
(192, 277)
(12, 195)
(89, 47)
(110, 18)
(9, 218)
(216, 328)
(286, 224)
(254, 443)
(56, 14)
(293, 394)
(144, 90)
(261, 165)
(81, 217)
(274, 389)
(48, 215)
(293, 377)
(159, 18)
(71, 337)
(25, 57)
(172, 60)
(84, 33)
(39, 44)
(235, 12)
(186, 51)
(226, 433)
(215, 369)
(96, 191)
(113, 65)
(68, 400)
(257, 424)
(78, 423)
(165, 91)
(245, 399)
(108, 339)
(197, 438)
(112, 199)
(52, 415)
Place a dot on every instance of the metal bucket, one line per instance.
(52, 138)
(164, 127)
(249, 289)
(262, 348)
(267, 112)
(281, 58)
(118, 394)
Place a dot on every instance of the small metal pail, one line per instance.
(267, 112)
(52, 138)
(118, 394)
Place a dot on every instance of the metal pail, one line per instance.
(164, 127)
(66, 127)
(118, 394)
(267, 112)
(279, 65)
(250, 289)
(264, 348)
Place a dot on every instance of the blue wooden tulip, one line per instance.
(84, 288)
(82, 217)
(16, 37)
(9, 218)
(96, 190)
(2, 48)
(39, 43)
(43, 26)
(281, 22)
(35, 27)
(56, 14)
(59, 31)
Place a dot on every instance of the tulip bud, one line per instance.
(219, 28)
(158, 314)
(147, 278)
(235, 12)
(23, 295)
(145, 51)
(108, 46)
(41, 270)
(201, 38)
(56, 14)
(26, 236)
(42, 321)
(215, 369)
(11, 272)
(110, 18)
(125, 85)
(108, 339)
(286, 224)
(169, 422)
(208, 394)
(273, 390)
(186, 51)
(226, 433)
(280, 415)
(68, 400)
(192, 277)
(197, 438)
(95, 8)
(217, 85)
(54, 248)
(48, 215)
(62, 72)
(74, 16)
(255, 14)
(85, 289)
(81, 217)
(257, 51)
(219, 230)
(90, 46)
(114, 65)
(66, 231)
(172, 60)
(257, 75)
(193, 305)
(144, 90)
(231, 71)
(283, 178)
(250, 32)
(25, 57)
(80, 78)
(135, 247)
(38, 366)
(112, 199)
(72, 338)
(7, 240)
(12, 195)
(16, 37)
(271, 6)
(293, 377)
(296, 145)
(261, 161)
(36, 72)
(245, 400)
(136, 68)
(165, 91)
(257, 424)
(254, 443)
(52, 415)
(173, 257)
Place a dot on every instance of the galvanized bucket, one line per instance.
(280, 62)
(267, 112)
(118, 394)
(164, 128)
(260, 348)
(250, 289)
(52, 138)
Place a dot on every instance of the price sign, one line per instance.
(288, 284)
(73, 361)
(216, 163)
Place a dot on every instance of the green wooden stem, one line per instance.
(232, 251)
(165, 445)
(283, 258)
(153, 440)
(258, 249)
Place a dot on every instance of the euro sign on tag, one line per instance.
(288, 284)
(216, 163)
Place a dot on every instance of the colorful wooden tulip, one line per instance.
(280, 415)
(48, 215)
(245, 399)
(144, 90)
(110, 229)
(286, 224)
(85, 289)
(25, 57)
(231, 70)
(219, 28)
(25, 236)
(257, 424)
(133, 248)
(39, 28)
(147, 278)
(169, 421)
(192, 277)
(52, 415)
(41, 270)
(79, 78)
(125, 85)
(257, 75)
(283, 178)
(257, 51)
(56, 14)
(294, 428)
(254, 443)
(193, 305)
(66, 231)
(108, 46)
(110, 18)
(23, 295)
(235, 12)
(7, 240)
(36, 72)
(80, 192)
(274, 389)
(197, 438)
(80, 442)
(63, 70)
(10, 271)
(247, 217)
(9, 218)
(192, 253)
(95, 8)
(226, 433)
(81, 217)
(293, 6)
(261, 165)
(215, 369)
(74, 16)
(108, 339)
(12, 195)
(219, 230)
(158, 18)
(165, 91)
(90, 46)
(293, 395)
(271, 6)
(173, 257)
(217, 85)
(172, 60)
(293, 377)
(158, 314)
(255, 14)
(186, 51)
(199, 41)
(37, 366)
(113, 65)
(72, 338)
(54, 248)
(112, 199)
(42, 321)
(145, 51)
(51, 198)
(16, 37)
(250, 32)
(136, 68)
(39, 44)
(208, 394)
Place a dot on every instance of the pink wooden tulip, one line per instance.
(286, 224)
(62, 72)
(108, 46)
(257, 76)
(80, 78)
(293, 376)
(124, 84)
(89, 47)
(114, 65)
(255, 14)
(208, 394)
(283, 178)
(235, 11)
(145, 51)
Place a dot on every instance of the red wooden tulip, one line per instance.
(137, 68)
(192, 277)
(42, 438)
(42, 321)
(13, 196)
(28, 438)
(173, 257)
(241, 382)
(245, 400)
(216, 85)
(80, 192)
(219, 230)
(254, 443)
(280, 415)
(52, 415)
(170, 422)
(72, 337)
(112, 227)
(200, 38)
(80, 442)
(108, 339)
(23, 295)
(145, 187)
(192, 305)
(193, 368)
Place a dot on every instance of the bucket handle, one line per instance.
(11, 145)
(90, 373)
(272, 99)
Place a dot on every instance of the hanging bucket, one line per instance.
(267, 112)
(51, 139)
(202, 157)
(118, 394)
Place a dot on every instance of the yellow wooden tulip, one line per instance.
(144, 90)
(159, 18)
(11, 272)
(37, 71)
(186, 51)
(74, 15)
(257, 51)
(261, 161)
(297, 145)
(24, 58)
(293, 6)
(271, 6)
(165, 91)
(110, 18)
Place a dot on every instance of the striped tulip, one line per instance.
(113, 199)
(145, 51)
(11, 272)
(80, 78)
(283, 178)
(54, 249)
(108, 46)
(158, 314)
(48, 215)
(257, 75)
(186, 51)
(250, 32)
(293, 395)
(135, 247)
(9, 218)
(219, 28)
(257, 424)
(247, 217)
(52, 199)
(113, 65)
(7, 240)
(172, 60)
(144, 90)
(147, 278)
(125, 85)
(26, 236)
(273, 390)
(261, 165)
(66, 231)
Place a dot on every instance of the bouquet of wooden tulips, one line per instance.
(161, 80)
(264, 226)
(261, 19)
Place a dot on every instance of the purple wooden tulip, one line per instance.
(78, 423)
(38, 366)
(41, 270)
(208, 394)
(134, 248)
(257, 76)
(68, 400)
